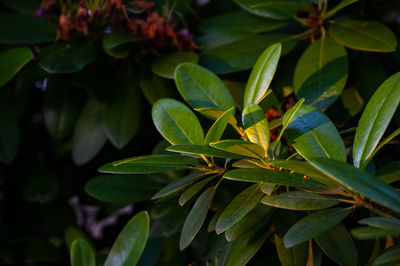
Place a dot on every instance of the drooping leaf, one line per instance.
(176, 123)
(288, 116)
(299, 200)
(359, 181)
(11, 61)
(294, 256)
(242, 204)
(321, 73)
(240, 147)
(193, 190)
(82, 254)
(338, 244)
(204, 150)
(262, 74)
(201, 88)
(256, 125)
(130, 243)
(313, 225)
(218, 128)
(196, 217)
(365, 35)
(389, 256)
(149, 164)
(9, 133)
(312, 134)
(375, 119)
(382, 222)
(365, 233)
(165, 66)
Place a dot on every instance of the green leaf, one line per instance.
(89, 136)
(72, 233)
(122, 114)
(365, 233)
(116, 43)
(313, 225)
(82, 254)
(390, 172)
(218, 128)
(381, 144)
(375, 119)
(165, 66)
(214, 114)
(359, 181)
(176, 185)
(299, 200)
(193, 190)
(338, 244)
(201, 88)
(241, 205)
(62, 105)
(312, 134)
(288, 116)
(196, 217)
(149, 164)
(262, 74)
(9, 133)
(24, 29)
(256, 125)
(121, 189)
(339, 7)
(68, 58)
(364, 35)
(295, 256)
(389, 256)
(129, 245)
(176, 123)
(240, 147)
(321, 73)
(382, 222)
(11, 61)
(272, 176)
(204, 150)
(154, 88)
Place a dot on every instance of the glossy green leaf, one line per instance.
(201, 88)
(204, 150)
(149, 164)
(165, 66)
(176, 122)
(214, 114)
(68, 58)
(359, 181)
(312, 134)
(313, 225)
(375, 119)
(122, 113)
(89, 136)
(387, 140)
(242, 204)
(24, 29)
(72, 233)
(288, 116)
(9, 133)
(365, 35)
(364, 233)
(272, 176)
(262, 74)
(82, 254)
(294, 256)
(382, 222)
(339, 7)
(219, 126)
(11, 61)
(121, 189)
(240, 147)
(321, 73)
(196, 217)
(256, 125)
(193, 190)
(129, 245)
(389, 256)
(299, 200)
(390, 172)
(338, 244)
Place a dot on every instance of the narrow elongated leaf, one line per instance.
(313, 225)
(240, 147)
(339, 7)
(256, 125)
(149, 164)
(359, 181)
(312, 134)
(201, 88)
(176, 123)
(288, 116)
(262, 74)
(218, 128)
(381, 144)
(364, 233)
(130, 243)
(20, 29)
(203, 149)
(338, 244)
(299, 200)
(382, 222)
(389, 173)
(9, 133)
(214, 114)
(243, 203)
(82, 254)
(363, 34)
(193, 190)
(389, 256)
(321, 73)
(165, 66)
(196, 217)
(11, 61)
(375, 119)
(294, 256)
(272, 176)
